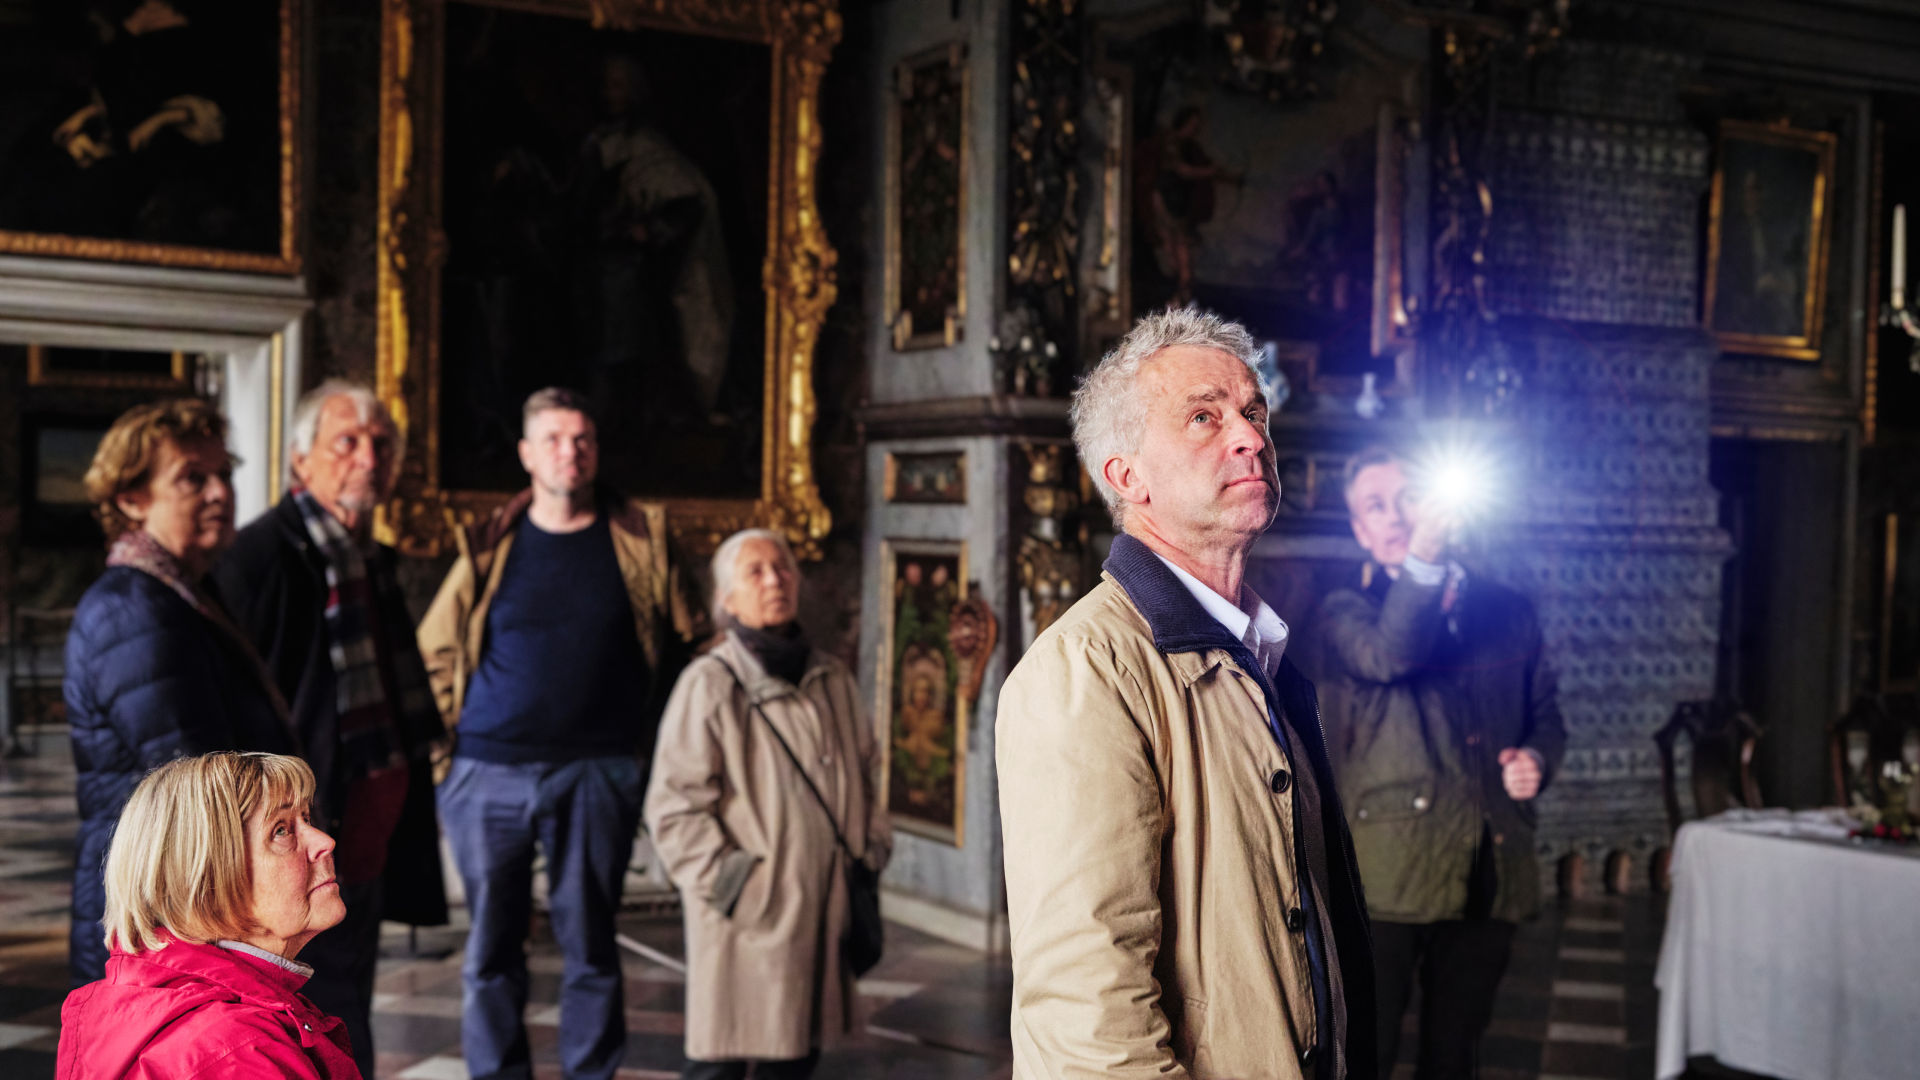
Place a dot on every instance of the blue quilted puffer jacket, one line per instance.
(148, 679)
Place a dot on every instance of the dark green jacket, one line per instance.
(1417, 706)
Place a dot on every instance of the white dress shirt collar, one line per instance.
(1263, 632)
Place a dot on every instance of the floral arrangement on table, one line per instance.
(1889, 822)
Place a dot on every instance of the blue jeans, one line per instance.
(583, 814)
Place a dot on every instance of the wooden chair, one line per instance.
(1876, 730)
(1851, 744)
(1723, 736)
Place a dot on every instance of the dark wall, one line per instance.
(345, 157)
(1781, 501)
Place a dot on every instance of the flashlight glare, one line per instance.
(1458, 488)
(1461, 480)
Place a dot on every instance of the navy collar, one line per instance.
(1178, 622)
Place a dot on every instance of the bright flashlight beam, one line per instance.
(1460, 479)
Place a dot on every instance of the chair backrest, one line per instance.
(1722, 736)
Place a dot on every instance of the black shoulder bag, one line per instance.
(866, 935)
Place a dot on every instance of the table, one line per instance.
(1790, 951)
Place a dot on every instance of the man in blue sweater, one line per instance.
(552, 645)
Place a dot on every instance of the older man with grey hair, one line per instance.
(1181, 887)
(318, 598)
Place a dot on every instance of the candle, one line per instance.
(1899, 257)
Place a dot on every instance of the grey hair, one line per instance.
(366, 404)
(729, 553)
(1109, 415)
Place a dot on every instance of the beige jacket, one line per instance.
(763, 880)
(1152, 885)
(666, 608)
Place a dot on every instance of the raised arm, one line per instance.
(1384, 644)
(1083, 817)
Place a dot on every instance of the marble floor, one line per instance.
(1577, 1004)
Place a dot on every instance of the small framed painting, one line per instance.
(1767, 239)
(923, 709)
(926, 478)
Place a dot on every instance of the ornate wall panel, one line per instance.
(1619, 547)
(1597, 184)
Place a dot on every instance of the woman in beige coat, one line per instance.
(762, 878)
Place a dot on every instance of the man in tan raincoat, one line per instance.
(1181, 888)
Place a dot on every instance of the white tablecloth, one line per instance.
(1790, 951)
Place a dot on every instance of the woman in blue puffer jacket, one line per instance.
(155, 668)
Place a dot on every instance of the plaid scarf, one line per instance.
(369, 741)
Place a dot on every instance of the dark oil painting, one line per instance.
(1768, 238)
(150, 121)
(1263, 210)
(606, 217)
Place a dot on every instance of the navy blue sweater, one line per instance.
(561, 676)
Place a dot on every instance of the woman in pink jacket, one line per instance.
(215, 881)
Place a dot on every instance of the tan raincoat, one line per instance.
(763, 881)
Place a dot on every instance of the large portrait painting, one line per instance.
(923, 689)
(590, 196)
(1767, 239)
(152, 131)
(1286, 215)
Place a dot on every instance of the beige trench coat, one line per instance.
(762, 880)
(1150, 867)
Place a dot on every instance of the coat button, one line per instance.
(1420, 802)
(1280, 781)
(1361, 814)
(1307, 1056)
(1296, 919)
(1499, 838)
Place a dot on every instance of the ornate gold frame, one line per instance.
(906, 336)
(890, 552)
(289, 258)
(39, 375)
(798, 275)
(1796, 346)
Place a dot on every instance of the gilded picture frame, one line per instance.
(921, 713)
(926, 191)
(280, 137)
(797, 275)
(44, 368)
(1767, 239)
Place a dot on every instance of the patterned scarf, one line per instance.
(140, 551)
(368, 739)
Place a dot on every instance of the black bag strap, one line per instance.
(754, 706)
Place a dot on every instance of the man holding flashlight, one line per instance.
(1443, 728)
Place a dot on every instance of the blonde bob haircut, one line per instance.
(179, 856)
